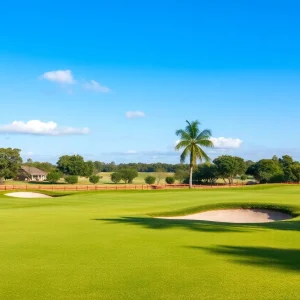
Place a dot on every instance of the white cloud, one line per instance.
(37, 127)
(60, 76)
(226, 143)
(96, 87)
(135, 114)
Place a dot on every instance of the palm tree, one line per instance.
(192, 140)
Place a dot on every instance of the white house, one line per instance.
(27, 173)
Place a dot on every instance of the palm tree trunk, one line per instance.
(191, 177)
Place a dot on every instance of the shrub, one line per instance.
(53, 176)
(170, 180)
(244, 177)
(150, 179)
(71, 179)
(116, 177)
(277, 178)
(128, 174)
(94, 179)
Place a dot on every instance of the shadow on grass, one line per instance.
(275, 258)
(155, 223)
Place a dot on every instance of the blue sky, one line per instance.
(119, 77)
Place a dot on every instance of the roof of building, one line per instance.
(33, 170)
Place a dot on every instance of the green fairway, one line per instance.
(105, 245)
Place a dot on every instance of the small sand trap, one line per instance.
(27, 195)
(236, 216)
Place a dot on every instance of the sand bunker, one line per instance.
(27, 195)
(237, 216)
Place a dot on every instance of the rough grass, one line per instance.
(104, 245)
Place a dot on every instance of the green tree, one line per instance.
(170, 180)
(244, 177)
(128, 174)
(229, 167)
(207, 173)
(277, 178)
(89, 169)
(98, 165)
(263, 170)
(296, 171)
(94, 179)
(71, 179)
(150, 179)
(10, 162)
(181, 175)
(192, 140)
(53, 176)
(75, 165)
(249, 163)
(286, 163)
(116, 177)
(275, 159)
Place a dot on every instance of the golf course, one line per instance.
(114, 245)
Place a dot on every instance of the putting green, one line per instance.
(106, 245)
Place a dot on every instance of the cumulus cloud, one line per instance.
(93, 85)
(226, 143)
(60, 76)
(135, 114)
(37, 127)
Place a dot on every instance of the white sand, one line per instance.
(27, 195)
(236, 216)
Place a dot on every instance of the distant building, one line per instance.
(27, 173)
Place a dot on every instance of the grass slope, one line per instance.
(104, 245)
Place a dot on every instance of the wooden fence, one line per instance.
(63, 187)
(60, 187)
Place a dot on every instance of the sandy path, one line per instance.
(236, 216)
(27, 195)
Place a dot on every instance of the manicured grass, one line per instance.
(105, 245)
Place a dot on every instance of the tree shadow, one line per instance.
(156, 223)
(276, 258)
(206, 226)
(281, 225)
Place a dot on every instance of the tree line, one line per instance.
(228, 168)
(225, 167)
